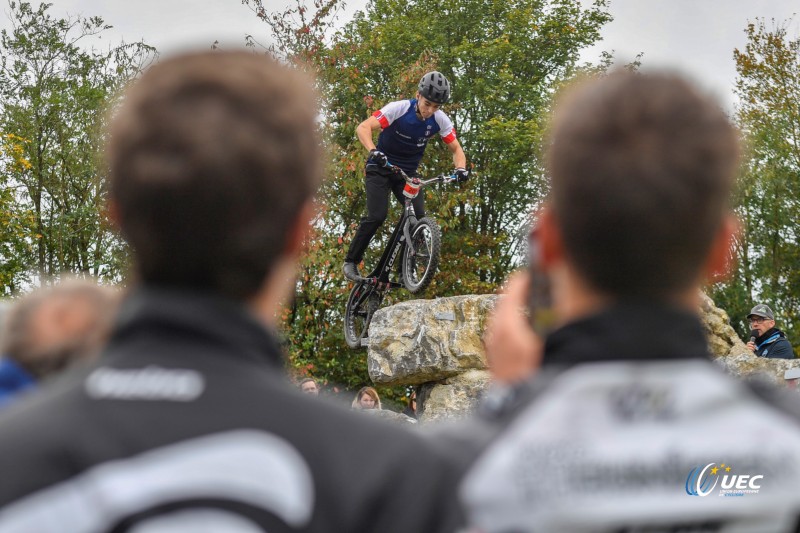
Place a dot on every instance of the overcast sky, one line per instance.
(696, 36)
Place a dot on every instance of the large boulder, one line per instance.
(747, 364)
(438, 344)
(420, 341)
(722, 338)
(453, 397)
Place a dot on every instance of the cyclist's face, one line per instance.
(426, 108)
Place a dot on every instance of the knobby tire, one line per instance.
(419, 270)
(358, 314)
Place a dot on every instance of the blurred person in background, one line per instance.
(619, 420)
(49, 329)
(187, 421)
(309, 386)
(411, 407)
(367, 398)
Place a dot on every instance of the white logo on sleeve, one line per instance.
(148, 383)
(246, 466)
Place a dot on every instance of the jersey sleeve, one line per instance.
(391, 112)
(446, 129)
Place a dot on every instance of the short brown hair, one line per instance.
(211, 157)
(642, 167)
(50, 328)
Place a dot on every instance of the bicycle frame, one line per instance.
(401, 237)
(378, 282)
(393, 250)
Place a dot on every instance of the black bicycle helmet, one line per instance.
(435, 87)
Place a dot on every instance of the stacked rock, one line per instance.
(438, 345)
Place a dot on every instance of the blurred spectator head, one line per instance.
(212, 158)
(309, 386)
(642, 168)
(49, 329)
(367, 398)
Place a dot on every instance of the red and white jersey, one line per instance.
(404, 136)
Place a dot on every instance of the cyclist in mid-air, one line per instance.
(406, 126)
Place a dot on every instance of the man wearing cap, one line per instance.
(765, 339)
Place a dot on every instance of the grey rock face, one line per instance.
(453, 397)
(388, 415)
(747, 364)
(438, 344)
(722, 338)
(419, 341)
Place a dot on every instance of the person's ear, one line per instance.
(300, 229)
(112, 209)
(720, 262)
(549, 236)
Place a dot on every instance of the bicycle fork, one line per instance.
(410, 220)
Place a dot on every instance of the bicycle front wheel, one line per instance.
(361, 305)
(420, 267)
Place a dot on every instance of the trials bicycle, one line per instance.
(416, 242)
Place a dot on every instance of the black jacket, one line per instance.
(773, 344)
(188, 410)
(621, 430)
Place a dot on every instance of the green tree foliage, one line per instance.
(53, 97)
(14, 235)
(768, 198)
(504, 59)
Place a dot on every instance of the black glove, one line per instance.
(378, 157)
(461, 175)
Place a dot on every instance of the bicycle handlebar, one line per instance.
(442, 178)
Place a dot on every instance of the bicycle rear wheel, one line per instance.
(361, 305)
(419, 268)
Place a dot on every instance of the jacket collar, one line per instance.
(769, 336)
(628, 331)
(201, 318)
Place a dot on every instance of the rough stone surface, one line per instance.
(414, 342)
(419, 341)
(438, 344)
(722, 338)
(451, 398)
(388, 415)
(747, 364)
